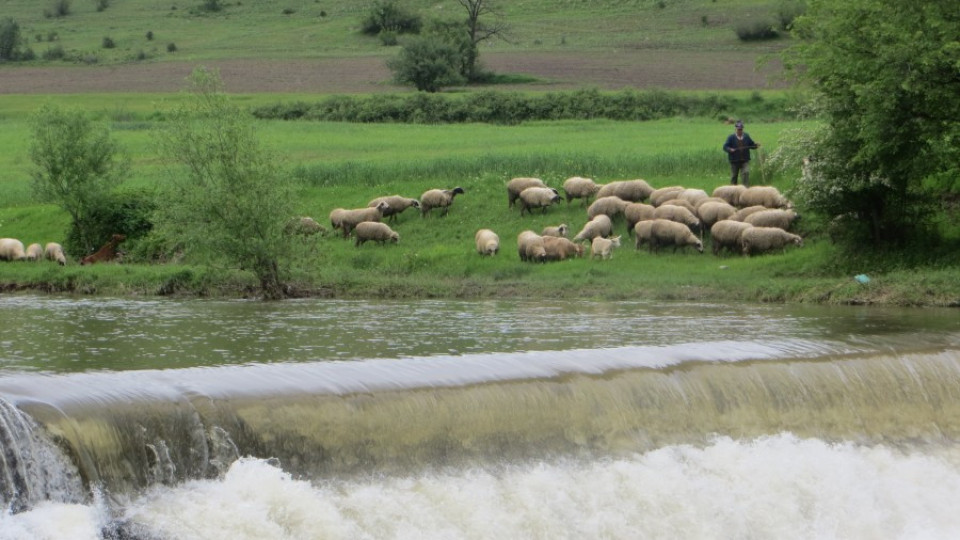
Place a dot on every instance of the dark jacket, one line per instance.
(742, 147)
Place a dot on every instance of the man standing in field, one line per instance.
(738, 147)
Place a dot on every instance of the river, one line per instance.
(310, 419)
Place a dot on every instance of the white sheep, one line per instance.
(774, 217)
(730, 193)
(538, 197)
(559, 249)
(600, 225)
(712, 212)
(304, 226)
(637, 212)
(11, 249)
(661, 195)
(560, 230)
(702, 202)
(54, 252)
(336, 217)
(349, 219)
(602, 248)
(530, 247)
(768, 196)
(438, 198)
(741, 214)
(682, 203)
(763, 239)
(34, 252)
(665, 232)
(680, 215)
(516, 186)
(727, 234)
(487, 241)
(628, 190)
(612, 206)
(578, 187)
(693, 196)
(396, 205)
(376, 231)
(643, 233)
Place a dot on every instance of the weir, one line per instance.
(126, 431)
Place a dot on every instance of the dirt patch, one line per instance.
(641, 69)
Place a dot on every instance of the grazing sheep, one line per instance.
(559, 249)
(538, 197)
(643, 232)
(304, 226)
(741, 214)
(603, 247)
(665, 232)
(54, 252)
(611, 206)
(106, 253)
(396, 205)
(349, 219)
(727, 234)
(578, 187)
(774, 217)
(34, 252)
(693, 196)
(376, 231)
(661, 195)
(629, 190)
(559, 230)
(601, 225)
(438, 198)
(768, 196)
(763, 239)
(487, 241)
(637, 212)
(729, 193)
(530, 247)
(336, 218)
(11, 249)
(680, 215)
(702, 202)
(516, 186)
(681, 202)
(712, 212)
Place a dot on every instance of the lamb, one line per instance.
(537, 197)
(376, 231)
(304, 226)
(598, 226)
(487, 241)
(54, 252)
(680, 215)
(712, 212)
(516, 186)
(727, 234)
(106, 253)
(396, 205)
(349, 219)
(661, 195)
(438, 198)
(11, 249)
(643, 232)
(559, 249)
(763, 239)
(670, 233)
(578, 187)
(611, 206)
(34, 252)
(559, 230)
(628, 190)
(603, 247)
(742, 213)
(530, 247)
(730, 193)
(774, 217)
(637, 212)
(768, 196)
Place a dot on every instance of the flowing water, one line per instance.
(163, 419)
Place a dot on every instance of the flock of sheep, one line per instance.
(739, 219)
(12, 249)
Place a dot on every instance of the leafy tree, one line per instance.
(9, 39)
(228, 202)
(390, 16)
(428, 63)
(886, 78)
(78, 164)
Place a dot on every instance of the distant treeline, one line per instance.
(498, 107)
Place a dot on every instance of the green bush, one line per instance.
(102, 5)
(9, 39)
(127, 213)
(428, 64)
(54, 53)
(788, 11)
(757, 30)
(60, 8)
(388, 15)
(108, 43)
(171, 47)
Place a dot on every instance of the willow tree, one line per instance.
(225, 201)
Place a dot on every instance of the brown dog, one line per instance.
(107, 253)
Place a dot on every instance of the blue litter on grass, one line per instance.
(862, 278)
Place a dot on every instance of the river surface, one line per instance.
(197, 419)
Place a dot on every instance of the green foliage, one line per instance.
(9, 39)
(427, 63)
(226, 201)
(60, 8)
(788, 11)
(77, 164)
(456, 35)
(756, 30)
(887, 82)
(128, 213)
(108, 42)
(54, 53)
(390, 16)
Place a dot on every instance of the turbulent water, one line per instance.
(442, 419)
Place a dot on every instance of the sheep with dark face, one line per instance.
(727, 234)
(601, 225)
(763, 239)
(396, 204)
(538, 197)
(629, 190)
(665, 232)
(487, 242)
(438, 198)
(578, 187)
(558, 230)
(376, 231)
(516, 186)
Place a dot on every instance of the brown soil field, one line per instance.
(609, 70)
